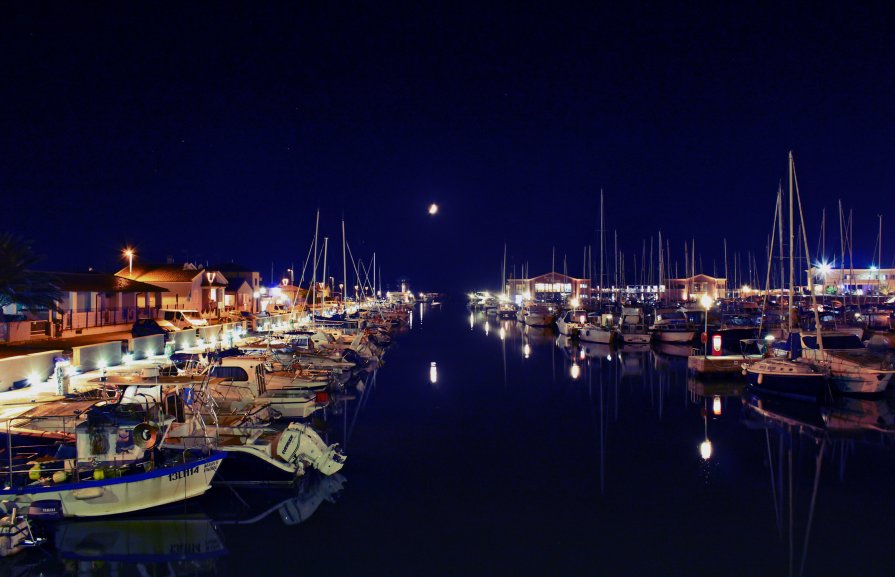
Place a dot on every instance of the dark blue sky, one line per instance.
(214, 132)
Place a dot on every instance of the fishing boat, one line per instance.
(672, 326)
(593, 331)
(104, 460)
(632, 327)
(569, 322)
(242, 381)
(539, 316)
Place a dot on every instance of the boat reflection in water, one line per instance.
(293, 505)
(182, 545)
(833, 430)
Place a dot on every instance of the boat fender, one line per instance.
(88, 493)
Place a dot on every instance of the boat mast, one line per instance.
(600, 283)
(503, 272)
(344, 266)
(791, 255)
(817, 332)
(325, 247)
(661, 271)
(314, 280)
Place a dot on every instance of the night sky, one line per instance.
(211, 132)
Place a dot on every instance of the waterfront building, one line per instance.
(90, 303)
(692, 289)
(552, 286)
(188, 287)
(238, 297)
(853, 281)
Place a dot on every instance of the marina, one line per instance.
(629, 440)
(339, 289)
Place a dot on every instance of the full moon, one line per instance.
(433, 208)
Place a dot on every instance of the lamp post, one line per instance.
(707, 302)
(129, 253)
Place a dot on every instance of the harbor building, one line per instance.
(853, 281)
(552, 287)
(188, 287)
(90, 303)
(692, 289)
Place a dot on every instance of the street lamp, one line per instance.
(707, 303)
(129, 253)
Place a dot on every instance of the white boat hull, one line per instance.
(674, 336)
(115, 496)
(595, 335)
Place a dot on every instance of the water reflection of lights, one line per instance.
(503, 333)
(433, 373)
(716, 405)
(609, 357)
(526, 350)
(582, 355)
(575, 371)
(705, 450)
(487, 328)
(471, 321)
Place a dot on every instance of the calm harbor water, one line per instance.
(499, 462)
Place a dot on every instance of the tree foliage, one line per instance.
(18, 283)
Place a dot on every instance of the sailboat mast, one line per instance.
(325, 247)
(314, 280)
(344, 266)
(791, 254)
(661, 279)
(600, 283)
(503, 274)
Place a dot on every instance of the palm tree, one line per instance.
(21, 285)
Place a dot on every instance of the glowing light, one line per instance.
(575, 302)
(873, 267)
(705, 450)
(582, 355)
(575, 371)
(824, 269)
(33, 379)
(769, 338)
(716, 405)
(128, 359)
(706, 301)
(487, 328)
(102, 365)
(433, 209)
(745, 288)
(503, 333)
(433, 373)
(609, 357)
(471, 321)
(526, 350)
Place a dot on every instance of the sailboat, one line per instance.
(590, 331)
(790, 375)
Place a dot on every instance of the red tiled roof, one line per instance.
(97, 282)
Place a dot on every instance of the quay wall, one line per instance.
(15, 369)
(90, 357)
(148, 346)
